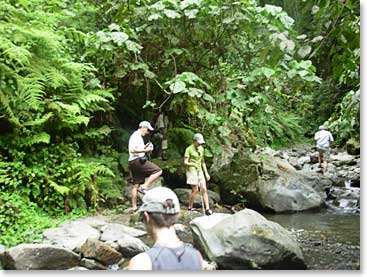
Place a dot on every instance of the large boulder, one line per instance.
(39, 256)
(246, 240)
(343, 158)
(70, 235)
(127, 191)
(183, 196)
(269, 183)
(353, 146)
(100, 251)
(115, 231)
(130, 246)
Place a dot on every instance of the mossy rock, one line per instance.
(353, 146)
(264, 182)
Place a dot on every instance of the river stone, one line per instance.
(115, 231)
(70, 235)
(270, 183)
(78, 268)
(130, 246)
(92, 264)
(127, 191)
(246, 240)
(343, 159)
(100, 251)
(353, 146)
(303, 160)
(39, 256)
(96, 222)
(183, 196)
(294, 162)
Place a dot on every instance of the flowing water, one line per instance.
(328, 240)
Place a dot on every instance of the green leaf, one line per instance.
(119, 37)
(191, 13)
(177, 86)
(133, 46)
(172, 14)
(304, 51)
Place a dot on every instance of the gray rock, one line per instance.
(270, 183)
(294, 162)
(353, 147)
(224, 159)
(130, 246)
(113, 244)
(343, 159)
(100, 251)
(115, 231)
(96, 222)
(39, 256)
(78, 268)
(127, 191)
(183, 196)
(246, 240)
(303, 160)
(70, 235)
(92, 264)
(209, 265)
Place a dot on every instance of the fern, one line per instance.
(35, 139)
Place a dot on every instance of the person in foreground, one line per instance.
(160, 211)
(139, 166)
(196, 172)
(323, 139)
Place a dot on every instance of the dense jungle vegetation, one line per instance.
(76, 77)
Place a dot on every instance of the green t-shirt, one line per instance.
(195, 156)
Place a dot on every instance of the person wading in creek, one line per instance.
(323, 139)
(139, 165)
(197, 173)
(160, 211)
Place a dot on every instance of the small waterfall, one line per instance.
(347, 183)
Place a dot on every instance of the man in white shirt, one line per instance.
(323, 139)
(139, 166)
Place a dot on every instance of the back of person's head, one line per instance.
(322, 127)
(162, 205)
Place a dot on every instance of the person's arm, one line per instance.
(147, 148)
(140, 262)
(203, 165)
(187, 163)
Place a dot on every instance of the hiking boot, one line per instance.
(208, 212)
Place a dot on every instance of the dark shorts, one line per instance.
(140, 171)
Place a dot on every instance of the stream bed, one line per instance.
(329, 240)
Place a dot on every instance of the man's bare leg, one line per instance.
(151, 179)
(134, 196)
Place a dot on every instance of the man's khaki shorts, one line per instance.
(324, 152)
(194, 178)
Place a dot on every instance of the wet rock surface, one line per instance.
(329, 240)
(246, 240)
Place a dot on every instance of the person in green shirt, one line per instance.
(196, 172)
